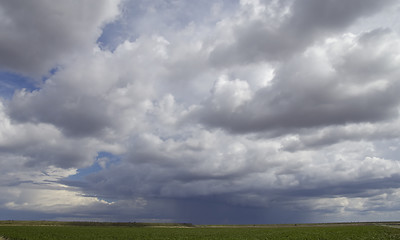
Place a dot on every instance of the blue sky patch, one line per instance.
(103, 160)
(9, 82)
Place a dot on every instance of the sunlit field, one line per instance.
(82, 231)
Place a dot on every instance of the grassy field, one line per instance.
(56, 230)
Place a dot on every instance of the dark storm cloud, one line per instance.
(216, 211)
(161, 171)
(196, 205)
(204, 199)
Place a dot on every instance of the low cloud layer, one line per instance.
(224, 112)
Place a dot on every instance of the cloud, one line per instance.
(327, 84)
(319, 138)
(42, 144)
(42, 35)
(83, 99)
(207, 113)
(312, 15)
(275, 31)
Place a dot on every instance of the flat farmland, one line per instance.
(104, 231)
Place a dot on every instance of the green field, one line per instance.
(46, 231)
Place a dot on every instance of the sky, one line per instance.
(209, 112)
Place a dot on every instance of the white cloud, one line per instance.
(51, 201)
(230, 94)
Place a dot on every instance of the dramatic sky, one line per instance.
(251, 111)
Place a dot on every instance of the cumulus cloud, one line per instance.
(274, 30)
(201, 112)
(42, 35)
(328, 84)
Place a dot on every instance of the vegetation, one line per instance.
(93, 224)
(105, 231)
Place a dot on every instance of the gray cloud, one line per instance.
(257, 109)
(78, 115)
(319, 138)
(306, 22)
(42, 35)
(84, 98)
(283, 185)
(319, 89)
(313, 16)
(244, 175)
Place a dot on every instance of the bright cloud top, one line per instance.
(208, 112)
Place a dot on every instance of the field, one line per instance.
(82, 231)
